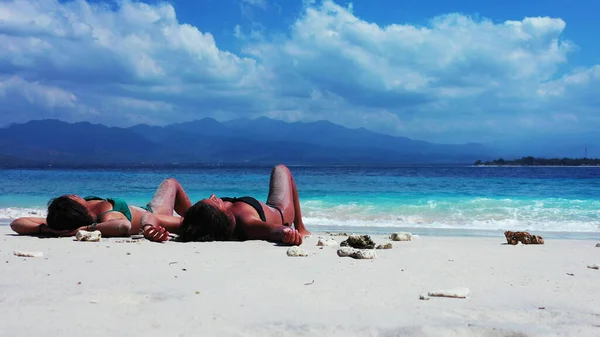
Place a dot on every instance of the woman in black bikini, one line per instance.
(245, 218)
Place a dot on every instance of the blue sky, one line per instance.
(443, 71)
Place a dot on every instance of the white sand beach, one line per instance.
(124, 287)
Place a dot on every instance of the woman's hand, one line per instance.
(156, 233)
(291, 236)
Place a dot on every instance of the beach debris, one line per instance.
(326, 242)
(385, 246)
(126, 241)
(309, 283)
(598, 245)
(359, 241)
(525, 238)
(364, 254)
(83, 235)
(360, 254)
(424, 297)
(28, 254)
(594, 266)
(542, 308)
(337, 234)
(345, 251)
(296, 251)
(570, 274)
(401, 236)
(451, 293)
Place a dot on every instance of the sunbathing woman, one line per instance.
(245, 218)
(112, 217)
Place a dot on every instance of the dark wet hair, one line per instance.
(66, 213)
(203, 222)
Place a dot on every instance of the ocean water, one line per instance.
(561, 201)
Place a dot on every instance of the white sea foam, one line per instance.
(554, 215)
(11, 213)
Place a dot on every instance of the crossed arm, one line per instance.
(37, 226)
(256, 229)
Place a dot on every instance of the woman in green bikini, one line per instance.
(111, 216)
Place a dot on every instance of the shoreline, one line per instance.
(123, 287)
(432, 232)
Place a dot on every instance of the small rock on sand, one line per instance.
(364, 254)
(386, 246)
(360, 254)
(326, 242)
(28, 254)
(345, 251)
(401, 236)
(598, 245)
(296, 251)
(359, 241)
(594, 266)
(82, 235)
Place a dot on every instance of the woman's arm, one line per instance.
(37, 226)
(29, 226)
(156, 227)
(111, 228)
(256, 229)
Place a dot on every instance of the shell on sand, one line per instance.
(28, 254)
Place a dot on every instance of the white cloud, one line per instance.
(97, 52)
(454, 73)
(36, 93)
(454, 78)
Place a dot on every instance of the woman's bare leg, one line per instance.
(169, 197)
(283, 195)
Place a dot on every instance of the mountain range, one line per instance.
(207, 141)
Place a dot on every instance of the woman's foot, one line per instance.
(301, 229)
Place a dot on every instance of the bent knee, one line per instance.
(170, 181)
(280, 168)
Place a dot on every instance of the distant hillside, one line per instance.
(207, 141)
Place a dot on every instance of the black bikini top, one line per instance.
(250, 201)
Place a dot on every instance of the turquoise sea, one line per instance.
(558, 201)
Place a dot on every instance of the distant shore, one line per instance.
(542, 162)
